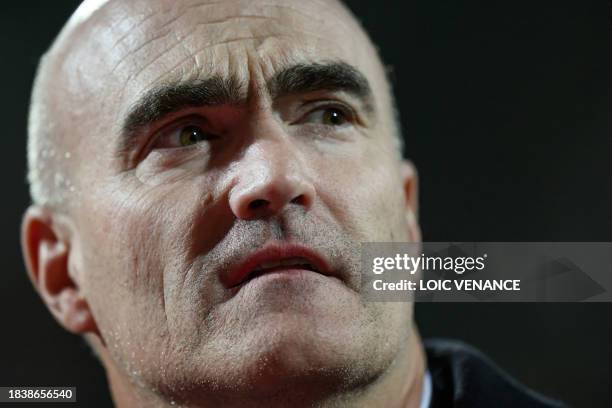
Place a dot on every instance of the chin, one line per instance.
(314, 352)
(293, 354)
(308, 353)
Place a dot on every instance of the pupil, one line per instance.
(194, 134)
(334, 117)
(191, 135)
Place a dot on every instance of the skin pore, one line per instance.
(191, 134)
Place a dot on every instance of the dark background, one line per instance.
(506, 113)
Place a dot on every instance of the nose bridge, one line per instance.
(270, 154)
(279, 158)
(270, 176)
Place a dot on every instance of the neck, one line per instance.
(400, 386)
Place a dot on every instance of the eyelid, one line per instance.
(352, 115)
(176, 125)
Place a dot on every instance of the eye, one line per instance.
(184, 136)
(191, 135)
(329, 116)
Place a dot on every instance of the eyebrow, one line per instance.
(334, 76)
(168, 98)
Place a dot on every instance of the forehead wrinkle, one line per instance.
(181, 37)
(255, 41)
(158, 29)
(181, 41)
(131, 53)
(130, 30)
(101, 31)
(195, 54)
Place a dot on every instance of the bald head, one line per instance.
(57, 104)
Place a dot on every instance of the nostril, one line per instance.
(255, 204)
(299, 200)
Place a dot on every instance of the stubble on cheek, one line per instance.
(128, 254)
(367, 198)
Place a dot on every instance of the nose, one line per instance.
(270, 178)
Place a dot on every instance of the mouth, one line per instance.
(281, 265)
(276, 258)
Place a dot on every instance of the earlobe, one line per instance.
(46, 249)
(411, 194)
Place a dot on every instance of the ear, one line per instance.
(411, 193)
(45, 242)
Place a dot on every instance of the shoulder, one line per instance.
(463, 377)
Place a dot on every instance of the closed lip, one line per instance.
(274, 257)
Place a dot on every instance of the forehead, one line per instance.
(138, 45)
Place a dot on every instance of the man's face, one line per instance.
(253, 130)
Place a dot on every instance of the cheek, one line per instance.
(121, 260)
(135, 247)
(365, 193)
